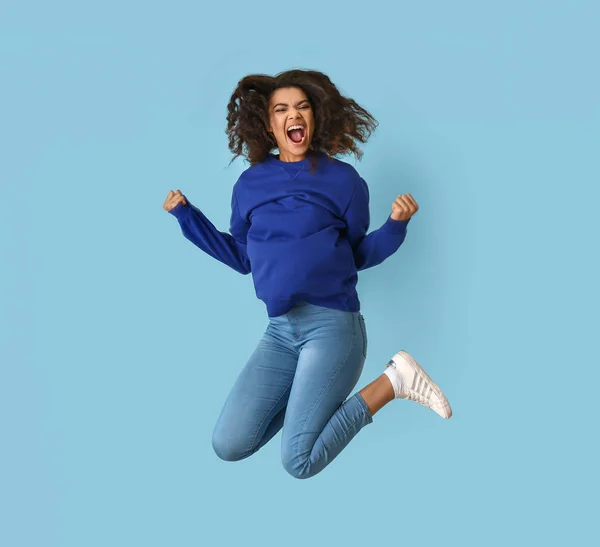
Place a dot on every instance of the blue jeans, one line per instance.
(305, 366)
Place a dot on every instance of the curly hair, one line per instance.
(339, 121)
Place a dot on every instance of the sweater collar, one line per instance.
(272, 158)
(292, 168)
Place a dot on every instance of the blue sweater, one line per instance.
(303, 236)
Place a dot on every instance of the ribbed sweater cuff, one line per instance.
(395, 226)
(180, 211)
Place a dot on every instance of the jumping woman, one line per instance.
(299, 223)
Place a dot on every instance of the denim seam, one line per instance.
(363, 328)
(364, 406)
(295, 327)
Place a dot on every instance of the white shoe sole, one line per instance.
(447, 409)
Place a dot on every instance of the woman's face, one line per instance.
(292, 122)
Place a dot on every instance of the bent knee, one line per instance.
(227, 448)
(299, 468)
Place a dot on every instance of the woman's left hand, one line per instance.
(404, 207)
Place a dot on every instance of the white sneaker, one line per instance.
(417, 386)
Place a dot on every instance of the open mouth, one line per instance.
(296, 134)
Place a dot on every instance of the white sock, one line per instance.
(395, 379)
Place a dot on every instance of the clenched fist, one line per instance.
(404, 207)
(173, 199)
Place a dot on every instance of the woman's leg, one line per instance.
(319, 421)
(378, 393)
(255, 408)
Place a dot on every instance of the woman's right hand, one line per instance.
(174, 198)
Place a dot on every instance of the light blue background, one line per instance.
(120, 339)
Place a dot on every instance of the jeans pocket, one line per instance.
(363, 328)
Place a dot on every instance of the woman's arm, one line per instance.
(227, 248)
(374, 248)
